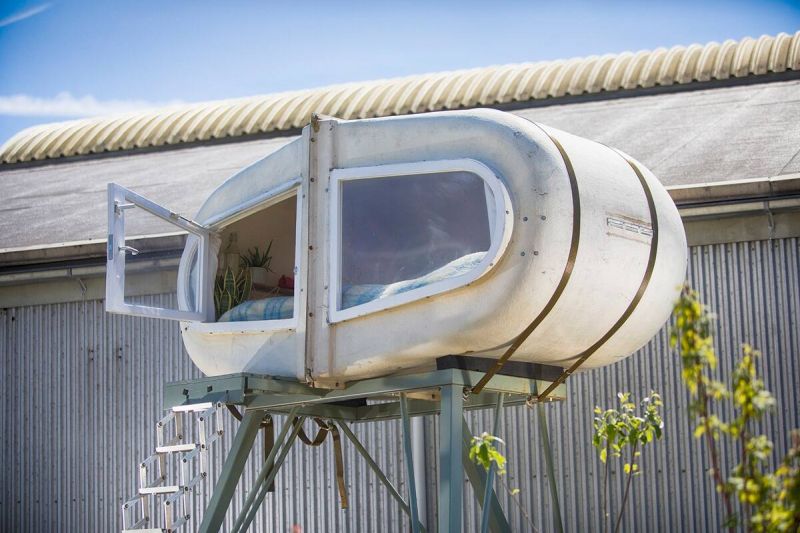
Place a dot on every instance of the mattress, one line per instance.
(282, 307)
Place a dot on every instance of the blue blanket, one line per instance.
(281, 307)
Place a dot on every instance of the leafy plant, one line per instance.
(254, 258)
(616, 430)
(231, 288)
(753, 497)
(483, 452)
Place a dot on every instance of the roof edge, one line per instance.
(634, 73)
(713, 199)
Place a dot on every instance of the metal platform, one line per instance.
(443, 392)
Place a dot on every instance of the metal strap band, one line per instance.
(339, 460)
(562, 284)
(319, 438)
(338, 456)
(648, 273)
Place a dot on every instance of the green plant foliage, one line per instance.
(483, 452)
(621, 433)
(754, 498)
(231, 288)
(254, 258)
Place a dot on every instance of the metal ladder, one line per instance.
(155, 470)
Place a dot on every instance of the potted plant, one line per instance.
(231, 288)
(258, 264)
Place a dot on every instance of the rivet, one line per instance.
(524, 219)
(522, 253)
(544, 217)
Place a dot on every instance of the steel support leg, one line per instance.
(231, 472)
(264, 487)
(489, 492)
(477, 478)
(269, 463)
(451, 469)
(412, 482)
(548, 457)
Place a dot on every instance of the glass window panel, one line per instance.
(401, 233)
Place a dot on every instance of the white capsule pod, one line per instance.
(395, 241)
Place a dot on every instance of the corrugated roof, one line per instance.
(431, 92)
(709, 135)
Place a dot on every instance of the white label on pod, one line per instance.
(629, 228)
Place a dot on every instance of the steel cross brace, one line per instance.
(278, 395)
(434, 392)
(231, 472)
(268, 470)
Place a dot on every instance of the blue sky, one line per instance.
(62, 59)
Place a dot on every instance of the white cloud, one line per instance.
(24, 14)
(66, 105)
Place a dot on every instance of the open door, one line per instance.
(122, 201)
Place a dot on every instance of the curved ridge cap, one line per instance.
(193, 122)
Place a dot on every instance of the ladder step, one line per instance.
(175, 448)
(169, 489)
(191, 408)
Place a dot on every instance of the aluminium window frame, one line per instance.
(500, 227)
(293, 188)
(120, 200)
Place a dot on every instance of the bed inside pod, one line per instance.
(256, 265)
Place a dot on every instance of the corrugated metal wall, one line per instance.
(82, 391)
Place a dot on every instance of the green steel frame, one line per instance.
(435, 392)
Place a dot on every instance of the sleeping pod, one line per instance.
(394, 241)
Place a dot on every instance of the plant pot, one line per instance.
(263, 278)
(260, 277)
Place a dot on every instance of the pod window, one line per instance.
(404, 232)
(256, 266)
